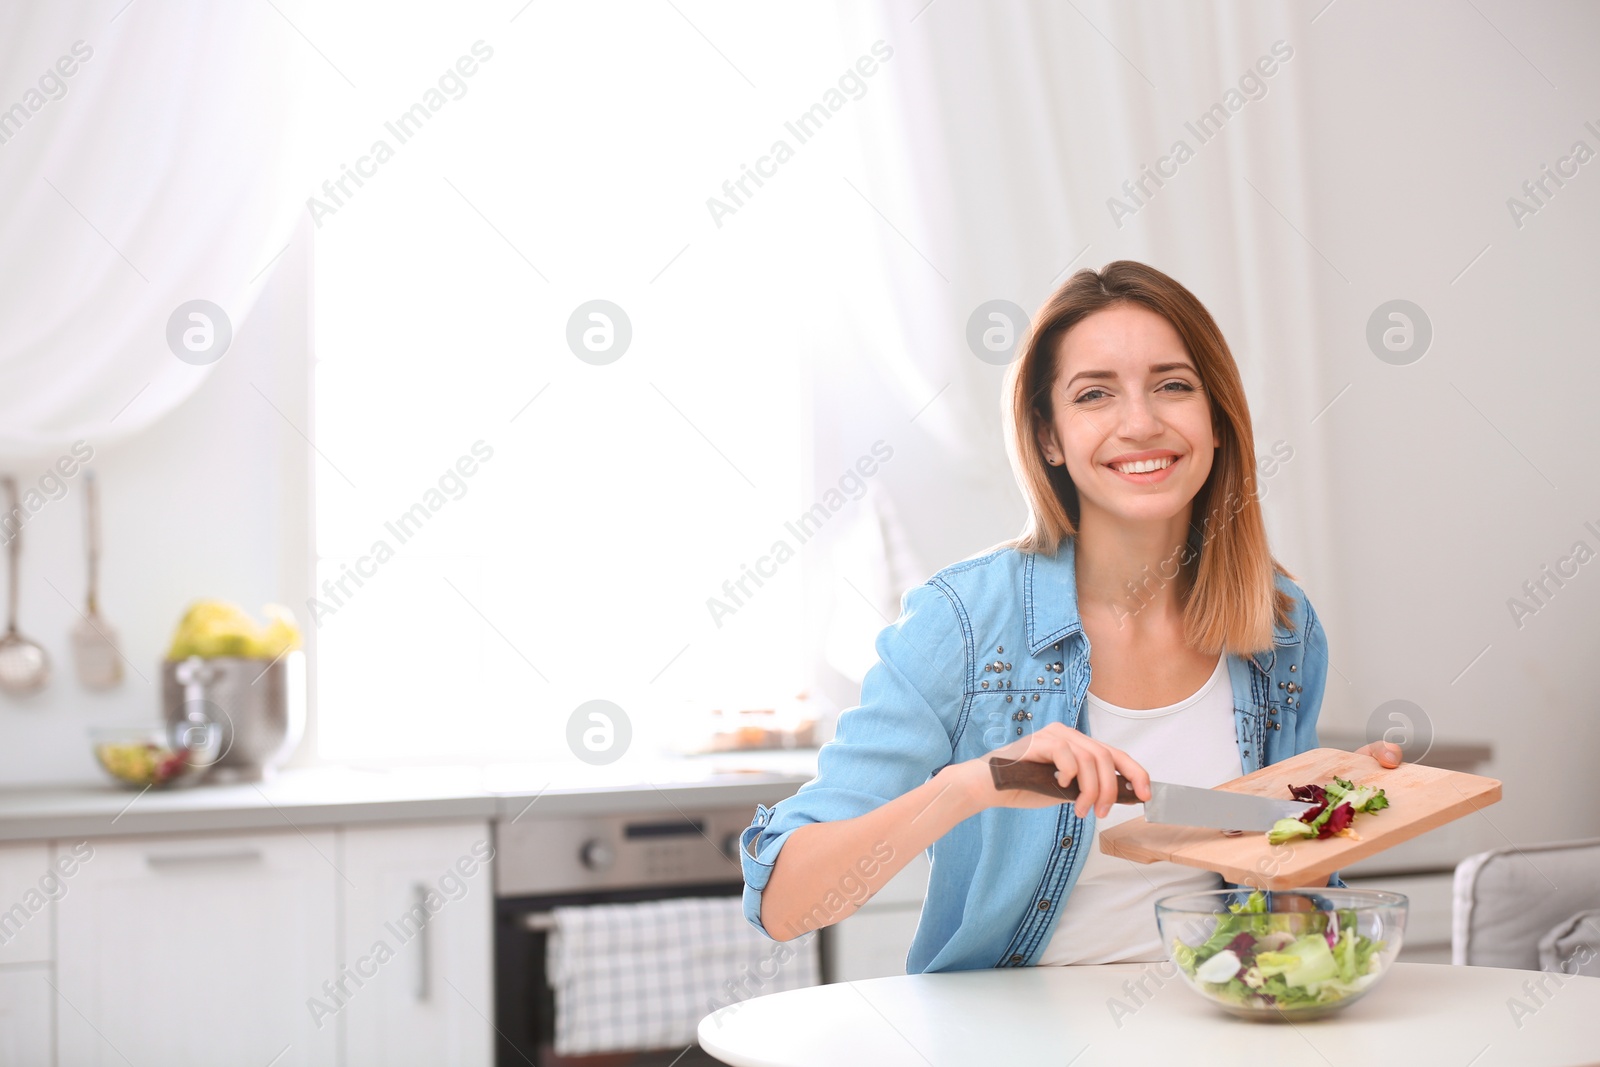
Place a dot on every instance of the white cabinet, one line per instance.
(873, 942)
(1428, 919)
(199, 950)
(352, 945)
(25, 1018)
(417, 946)
(28, 885)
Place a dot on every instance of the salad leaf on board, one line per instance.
(1333, 810)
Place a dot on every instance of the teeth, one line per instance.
(1144, 466)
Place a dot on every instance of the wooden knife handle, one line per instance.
(1039, 777)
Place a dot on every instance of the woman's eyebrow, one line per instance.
(1155, 368)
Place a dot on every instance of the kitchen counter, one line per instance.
(307, 797)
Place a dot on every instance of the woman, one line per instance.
(1140, 626)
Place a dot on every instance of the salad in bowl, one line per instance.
(1287, 953)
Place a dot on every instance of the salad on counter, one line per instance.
(142, 762)
(1284, 960)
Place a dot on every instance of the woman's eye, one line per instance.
(1091, 395)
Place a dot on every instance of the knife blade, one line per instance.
(1183, 805)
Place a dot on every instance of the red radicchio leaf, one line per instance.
(1311, 794)
(1310, 814)
(1340, 818)
(1243, 946)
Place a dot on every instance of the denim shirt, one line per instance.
(987, 650)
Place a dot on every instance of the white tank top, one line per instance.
(1110, 915)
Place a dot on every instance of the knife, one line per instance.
(1183, 805)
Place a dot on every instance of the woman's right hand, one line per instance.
(1075, 756)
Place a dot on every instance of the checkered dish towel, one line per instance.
(642, 976)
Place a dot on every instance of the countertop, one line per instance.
(299, 798)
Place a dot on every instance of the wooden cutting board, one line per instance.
(1420, 799)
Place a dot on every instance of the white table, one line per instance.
(1083, 1016)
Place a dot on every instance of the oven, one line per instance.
(542, 863)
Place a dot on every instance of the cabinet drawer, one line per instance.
(199, 950)
(29, 887)
(25, 1019)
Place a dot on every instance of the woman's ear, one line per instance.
(1048, 444)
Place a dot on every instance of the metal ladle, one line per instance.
(24, 667)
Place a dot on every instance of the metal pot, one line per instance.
(259, 704)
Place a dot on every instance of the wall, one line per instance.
(211, 502)
(1456, 478)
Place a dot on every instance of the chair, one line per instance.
(1536, 907)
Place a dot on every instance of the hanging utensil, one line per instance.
(24, 667)
(94, 641)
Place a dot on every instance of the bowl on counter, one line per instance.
(157, 756)
(1286, 954)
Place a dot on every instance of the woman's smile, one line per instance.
(1144, 468)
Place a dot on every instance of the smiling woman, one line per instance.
(1128, 423)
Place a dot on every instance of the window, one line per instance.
(505, 530)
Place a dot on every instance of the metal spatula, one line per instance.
(24, 667)
(94, 642)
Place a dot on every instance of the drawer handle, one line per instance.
(420, 896)
(197, 859)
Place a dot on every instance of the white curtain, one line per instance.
(998, 135)
(144, 164)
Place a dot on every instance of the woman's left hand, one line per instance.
(1385, 752)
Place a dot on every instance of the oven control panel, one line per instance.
(577, 854)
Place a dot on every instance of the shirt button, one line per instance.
(1016, 959)
(1066, 842)
(1044, 905)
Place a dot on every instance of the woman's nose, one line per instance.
(1138, 418)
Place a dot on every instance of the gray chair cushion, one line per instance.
(1507, 899)
(1573, 947)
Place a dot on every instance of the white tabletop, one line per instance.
(1084, 1016)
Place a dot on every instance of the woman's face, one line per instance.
(1127, 391)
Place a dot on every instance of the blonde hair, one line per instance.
(1229, 595)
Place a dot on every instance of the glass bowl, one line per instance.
(1283, 953)
(157, 757)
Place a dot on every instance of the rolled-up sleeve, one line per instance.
(899, 735)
